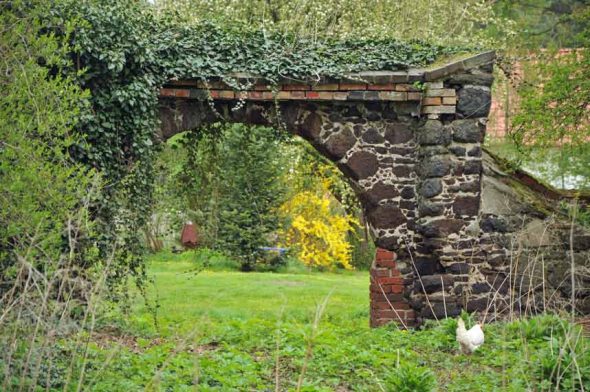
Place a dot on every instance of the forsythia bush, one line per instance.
(316, 231)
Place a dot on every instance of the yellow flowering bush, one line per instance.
(317, 231)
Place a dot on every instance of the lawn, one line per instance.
(233, 331)
(185, 296)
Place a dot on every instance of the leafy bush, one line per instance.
(40, 184)
(410, 378)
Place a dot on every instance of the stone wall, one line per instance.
(410, 144)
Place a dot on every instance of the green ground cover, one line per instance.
(222, 330)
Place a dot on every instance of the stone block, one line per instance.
(431, 187)
(440, 310)
(386, 216)
(393, 96)
(458, 150)
(493, 223)
(427, 266)
(440, 227)
(480, 304)
(372, 136)
(438, 109)
(378, 192)
(362, 164)
(428, 208)
(466, 205)
(467, 131)
(478, 79)
(435, 166)
(440, 92)
(311, 127)
(473, 167)
(474, 101)
(459, 268)
(408, 193)
(338, 144)
(433, 283)
(398, 133)
(433, 133)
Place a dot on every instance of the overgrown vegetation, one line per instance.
(81, 174)
(211, 341)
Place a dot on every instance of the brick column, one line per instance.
(388, 303)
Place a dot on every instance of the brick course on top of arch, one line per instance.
(410, 143)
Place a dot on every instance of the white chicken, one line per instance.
(469, 340)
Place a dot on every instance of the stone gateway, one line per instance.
(410, 144)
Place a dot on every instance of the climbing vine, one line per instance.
(125, 51)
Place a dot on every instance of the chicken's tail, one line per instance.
(460, 324)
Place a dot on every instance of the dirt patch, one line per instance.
(105, 338)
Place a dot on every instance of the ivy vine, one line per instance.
(125, 51)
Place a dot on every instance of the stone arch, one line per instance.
(410, 143)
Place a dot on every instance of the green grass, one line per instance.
(184, 296)
(224, 330)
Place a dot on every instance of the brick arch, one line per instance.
(409, 142)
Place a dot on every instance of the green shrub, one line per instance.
(410, 378)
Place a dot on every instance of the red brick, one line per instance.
(397, 289)
(379, 322)
(389, 314)
(295, 87)
(380, 297)
(385, 264)
(384, 255)
(268, 95)
(401, 305)
(166, 92)
(380, 305)
(254, 94)
(432, 101)
(226, 94)
(182, 93)
(241, 95)
(353, 86)
(326, 95)
(409, 315)
(381, 272)
(312, 95)
(388, 87)
(297, 94)
(375, 288)
(414, 96)
(390, 280)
